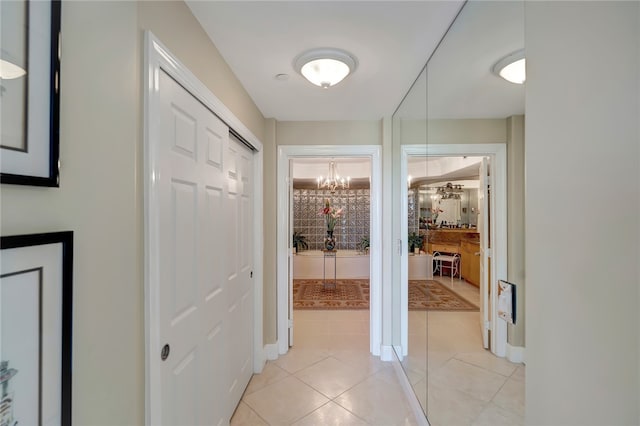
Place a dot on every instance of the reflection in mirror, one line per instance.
(457, 100)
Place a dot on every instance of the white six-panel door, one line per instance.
(202, 188)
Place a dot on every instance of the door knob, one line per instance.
(164, 354)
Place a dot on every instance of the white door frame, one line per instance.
(498, 154)
(158, 57)
(287, 152)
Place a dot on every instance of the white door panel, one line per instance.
(204, 204)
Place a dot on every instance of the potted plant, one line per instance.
(415, 242)
(299, 241)
(364, 244)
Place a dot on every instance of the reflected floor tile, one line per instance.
(520, 373)
(284, 402)
(488, 361)
(475, 381)
(379, 400)
(496, 416)
(511, 397)
(452, 407)
(331, 414)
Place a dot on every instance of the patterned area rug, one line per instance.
(348, 294)
(430, 295)
(354, 294)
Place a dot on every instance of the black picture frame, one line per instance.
(40, 265)
(18, 165)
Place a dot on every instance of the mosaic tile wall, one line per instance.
(413, 210)
(351, 227)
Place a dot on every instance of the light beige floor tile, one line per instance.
(330, 414)
(436, 359)
(311, 327)
(420, 390)
(297, 359)
(331, 377)
(284, 402)
(353, 315)
(361, 359)
(271, 373)
(378, 400)
(310, 315)
(348, 343)
(245, 416)
(511, 397)
(496, 416)
(302, 341)
(339, 327)
(520, 373)
(475, 381)
(448, 407)
(488, 361)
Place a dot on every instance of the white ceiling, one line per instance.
(392, 41)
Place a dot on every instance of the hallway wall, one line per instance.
(101, 191)
(583, 296)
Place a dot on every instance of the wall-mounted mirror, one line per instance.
(456, 368)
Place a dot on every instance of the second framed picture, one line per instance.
(36, 298)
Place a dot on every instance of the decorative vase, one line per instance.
(329, 241)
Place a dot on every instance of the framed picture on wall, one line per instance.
(36, 295)
(29, 92)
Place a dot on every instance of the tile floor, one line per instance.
(461, 383)
(330, 378)
(327, 378)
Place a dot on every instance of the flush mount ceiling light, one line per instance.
(325, 67)
(512, 67)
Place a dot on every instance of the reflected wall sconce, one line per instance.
(512, 67)
(325, 67)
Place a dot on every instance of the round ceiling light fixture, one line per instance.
(325, 67)
(512, 67)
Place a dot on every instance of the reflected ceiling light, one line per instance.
(9, 70)
(512, 67)
(325, 67)
(333, 179)
(449, 191)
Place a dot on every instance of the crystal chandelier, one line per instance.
(333, 180)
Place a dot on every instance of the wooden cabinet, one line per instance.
(470, 262)
(443, 248)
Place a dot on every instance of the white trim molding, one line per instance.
(288, 152)
(515, 354)
(156, 58)
(498, 154)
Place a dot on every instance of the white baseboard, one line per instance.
(412, 399)
(515, 353)
(271, 351)
(386, 353)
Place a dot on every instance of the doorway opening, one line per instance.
(330, 207)
(348, 262)
(492, 256)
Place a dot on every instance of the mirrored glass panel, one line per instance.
(446, 217)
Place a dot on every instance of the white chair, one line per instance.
(453, 260)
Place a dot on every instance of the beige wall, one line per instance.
(583, 296)
(101, 192)
(99, 200)
(329, 132)
(175, 26)
(269, 185)
(515, 223)
(465, 131)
